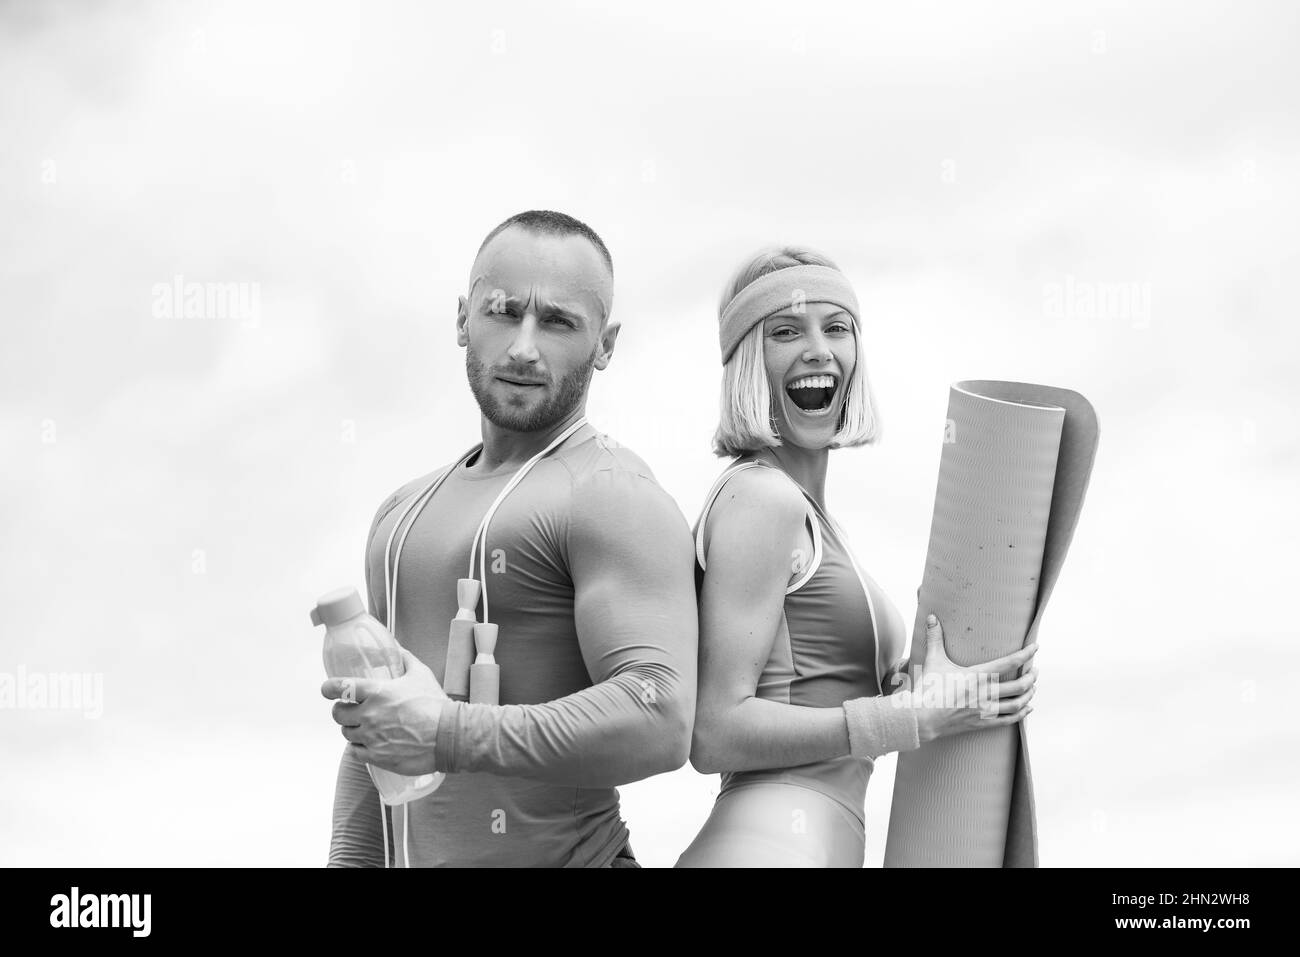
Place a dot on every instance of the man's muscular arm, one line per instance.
(356, 833)
(630, 556)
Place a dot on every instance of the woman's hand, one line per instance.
(951, 699)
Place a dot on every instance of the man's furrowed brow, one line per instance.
(498, 300)
(568, 310)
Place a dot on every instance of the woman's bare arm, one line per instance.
(753, 529)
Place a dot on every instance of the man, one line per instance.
(589, 573)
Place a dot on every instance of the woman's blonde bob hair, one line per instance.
(746, 422)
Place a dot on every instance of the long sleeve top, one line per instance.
(590, 582)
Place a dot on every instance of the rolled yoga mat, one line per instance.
(1015, 466)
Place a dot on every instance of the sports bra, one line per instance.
(837, 632)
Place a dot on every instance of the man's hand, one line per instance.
(394, 723)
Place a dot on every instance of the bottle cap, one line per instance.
(337, 607)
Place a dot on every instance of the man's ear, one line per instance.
(608, 336)
(462, 321)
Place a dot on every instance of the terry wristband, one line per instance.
(881, 724)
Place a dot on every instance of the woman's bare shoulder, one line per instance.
(759, 495)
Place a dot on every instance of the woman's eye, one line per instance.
(783, 333)
(838, 327)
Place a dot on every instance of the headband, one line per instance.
(788, 288)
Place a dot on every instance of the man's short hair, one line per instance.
(550, 223)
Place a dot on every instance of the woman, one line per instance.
(796, 696)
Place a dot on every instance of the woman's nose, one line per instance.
(818, 350)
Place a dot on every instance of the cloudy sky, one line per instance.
(1102, 198)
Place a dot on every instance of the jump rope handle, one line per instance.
(485, 673)
(460, 643)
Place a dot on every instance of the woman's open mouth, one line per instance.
(812, 394)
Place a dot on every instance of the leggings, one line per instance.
(771, 824)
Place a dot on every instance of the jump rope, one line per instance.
(479, 682)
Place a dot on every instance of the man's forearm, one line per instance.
(621, 730)
(357, 834)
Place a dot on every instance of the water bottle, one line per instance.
(358, 646)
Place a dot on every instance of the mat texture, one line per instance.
(1012, 478)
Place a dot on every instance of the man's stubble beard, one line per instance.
(555, 409)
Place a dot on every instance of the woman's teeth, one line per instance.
(812, 393)
(813, 382)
